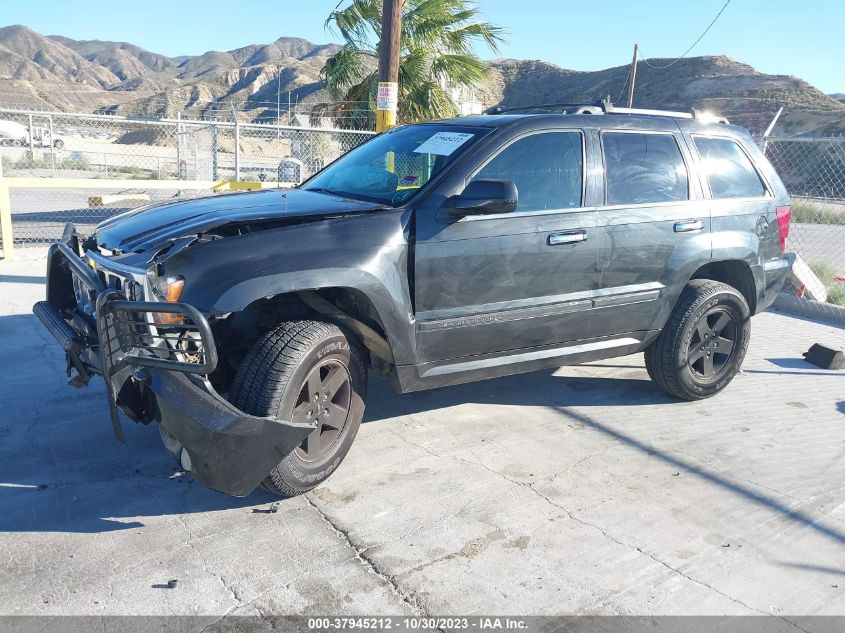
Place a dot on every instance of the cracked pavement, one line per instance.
(583, 490)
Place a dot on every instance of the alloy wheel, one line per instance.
(324, 399)
(712, 344)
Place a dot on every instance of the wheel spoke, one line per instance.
(725, 345)
(313, 384)
(337, 414)
(695, 356)
(721, 322)
(708, 365)
(334, 381)
(703, 330)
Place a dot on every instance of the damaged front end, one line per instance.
(155, 357)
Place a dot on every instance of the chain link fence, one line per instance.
(65, 145)
(52, 148)
(813, 170)
(177, 158)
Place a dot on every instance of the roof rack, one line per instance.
(605, 106)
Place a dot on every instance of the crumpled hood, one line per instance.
(153, 225)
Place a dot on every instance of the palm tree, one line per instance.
(437, 43)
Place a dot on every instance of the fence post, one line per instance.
(237, 145)
(52, 149)
(8, 239)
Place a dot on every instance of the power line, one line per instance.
(692, 46)
(624, 85)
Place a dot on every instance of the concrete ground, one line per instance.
(579, 491)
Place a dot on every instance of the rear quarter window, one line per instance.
(643, 168)
(728, 169)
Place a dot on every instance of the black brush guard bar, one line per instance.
(230, 451)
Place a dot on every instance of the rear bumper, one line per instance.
(230, 451)
(773, 277)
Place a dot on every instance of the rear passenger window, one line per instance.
(728, 169)
(643, 168)
(546, 168)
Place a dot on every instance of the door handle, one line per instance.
(570, 237)
(685, 226)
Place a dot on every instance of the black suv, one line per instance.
(435, 254)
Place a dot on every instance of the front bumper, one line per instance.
(230, 451)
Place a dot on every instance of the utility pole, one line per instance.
(278, 101)
(387, 99)
(633, 76)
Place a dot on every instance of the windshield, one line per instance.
(393, 166)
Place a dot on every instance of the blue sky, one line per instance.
(775, 36)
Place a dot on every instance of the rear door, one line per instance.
(653, 229)
(487, 284)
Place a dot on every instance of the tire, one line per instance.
(686, 360)
(278, 377)
(58, 144)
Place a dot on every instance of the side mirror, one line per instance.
(485, 197)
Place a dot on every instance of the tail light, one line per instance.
(784, 214)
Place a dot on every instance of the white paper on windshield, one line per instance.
(443, 143)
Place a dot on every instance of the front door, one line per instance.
(497, 283)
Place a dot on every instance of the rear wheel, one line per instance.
(702, 346)
(310, 372)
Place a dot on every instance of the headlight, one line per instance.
(165, 288)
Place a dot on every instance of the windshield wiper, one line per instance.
(349, 196)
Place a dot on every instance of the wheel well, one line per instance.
(236, 334)
(736, 274)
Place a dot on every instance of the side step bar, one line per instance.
(55, 324)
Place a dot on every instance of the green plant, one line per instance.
(80, 164)
(836, 294)
(827, 274)
(28, 161)
(824, 271)
(805, 212)
(436, 44)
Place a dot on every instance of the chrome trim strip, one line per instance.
(504, 317)
(634, 297)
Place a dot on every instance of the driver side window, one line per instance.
(547, 169)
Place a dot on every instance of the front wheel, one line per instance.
(311, 372)
(702, 346)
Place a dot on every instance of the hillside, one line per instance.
(720, 84)
(55, 72)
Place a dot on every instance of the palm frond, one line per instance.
(343, 69)
(438, 43)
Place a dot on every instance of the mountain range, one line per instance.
(55, 72)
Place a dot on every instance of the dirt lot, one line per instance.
(583, 490)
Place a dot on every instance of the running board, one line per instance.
(527, 357)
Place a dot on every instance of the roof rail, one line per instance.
(605, 106)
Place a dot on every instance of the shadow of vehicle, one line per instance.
(63, 472)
